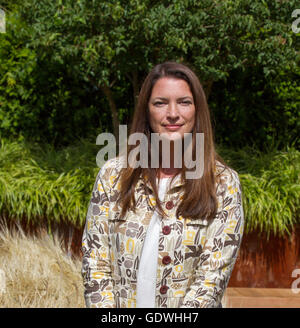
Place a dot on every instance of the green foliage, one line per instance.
(287, 107)
(40, 99)
(40, 184)
(250, 109)
(16, 65)
(8, 5)
(271, 187)
(112, 38)
(57, 56)
(75, 48)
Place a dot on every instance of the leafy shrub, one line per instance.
(42, 100)
(250, 109)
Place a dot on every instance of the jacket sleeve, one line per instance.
(219, 253)
(96, 266)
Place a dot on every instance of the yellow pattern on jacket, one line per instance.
(202, 253)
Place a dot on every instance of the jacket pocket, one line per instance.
(194, 232)
(194, 237)
(196, 222)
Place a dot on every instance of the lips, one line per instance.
(173, 127)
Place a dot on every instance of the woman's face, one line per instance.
(171, 107)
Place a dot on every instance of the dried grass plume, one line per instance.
(35, 272)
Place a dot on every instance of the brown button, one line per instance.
(169, 205)
(166, 230)
(163, 289)
(166, 259)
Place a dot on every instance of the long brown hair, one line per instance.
(199, 197)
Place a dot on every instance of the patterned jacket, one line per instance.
(195, 257)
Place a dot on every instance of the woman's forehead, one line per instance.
(167, 87)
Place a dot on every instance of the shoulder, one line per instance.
(111, 170)
(227, 181)
(229, 196)
(225, 174)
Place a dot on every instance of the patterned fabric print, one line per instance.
(195, 257)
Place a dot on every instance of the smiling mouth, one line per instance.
(173, 126)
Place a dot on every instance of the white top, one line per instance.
(146, 279)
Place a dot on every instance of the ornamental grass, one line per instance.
(35, 272)
(45, 186)
(41, 185)
(271, 188)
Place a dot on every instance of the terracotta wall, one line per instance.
(261, 263)
(266, 263)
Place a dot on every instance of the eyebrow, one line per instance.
(181, 98)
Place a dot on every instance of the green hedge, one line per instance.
(38, 183)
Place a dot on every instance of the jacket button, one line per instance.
(166, 230)
(166, 259)
(169, 205)
(163, 289)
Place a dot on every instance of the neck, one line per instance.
(171, 170)
(167, 173)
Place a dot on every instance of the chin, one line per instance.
(172, 136)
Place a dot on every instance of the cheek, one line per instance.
(154, 118)
(190, 117)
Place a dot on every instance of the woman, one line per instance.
(153, 237)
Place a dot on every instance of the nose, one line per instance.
(172, 113)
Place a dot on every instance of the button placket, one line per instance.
(163, 289)
(169, 205)
(166, 260)
(166, 230)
